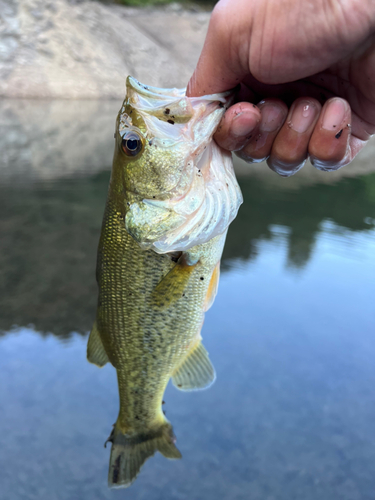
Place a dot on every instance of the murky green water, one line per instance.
(291, 415)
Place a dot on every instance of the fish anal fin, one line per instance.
(212, 288)
(130, 452)
(196, 370)
(95, 351)
(172, 285)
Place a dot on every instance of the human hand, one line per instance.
(310, 67)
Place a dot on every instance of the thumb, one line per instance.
(219, 66)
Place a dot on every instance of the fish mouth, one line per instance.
(153, 92)
(159, 93)
(206, 197)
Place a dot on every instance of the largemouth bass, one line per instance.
(172, 196)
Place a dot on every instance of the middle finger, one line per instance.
(290, 148)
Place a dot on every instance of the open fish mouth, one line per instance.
(206, 197)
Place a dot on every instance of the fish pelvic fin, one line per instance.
(130, 452)
(95, 350)
(173, 284)
(195, 372)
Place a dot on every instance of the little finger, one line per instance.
(329, 144)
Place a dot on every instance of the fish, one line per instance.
(172, 195)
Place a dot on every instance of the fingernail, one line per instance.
(243, 124)
(335, 113)
(272, 117)
(303, 116)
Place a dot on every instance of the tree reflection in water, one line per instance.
(350, 204)
(49, 235)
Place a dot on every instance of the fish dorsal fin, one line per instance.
(195, 372)
(95, 350)
(173, 284)
(212, 288)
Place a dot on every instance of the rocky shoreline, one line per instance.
(85, 49)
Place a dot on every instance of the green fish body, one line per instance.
(159, 253)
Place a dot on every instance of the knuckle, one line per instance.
(290, 156)
(329, 148)
(312, 100)
(218, 17)
(325, 165)
(329, 156)
(248, 158)
(288, 151)
(285, 168)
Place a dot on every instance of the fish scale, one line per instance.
(130, 320)
(154, 283)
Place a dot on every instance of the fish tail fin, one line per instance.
(130, 451)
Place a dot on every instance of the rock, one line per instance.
(61, 49)
(55, 139)
(84, 49)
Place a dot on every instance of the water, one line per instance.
(292, 412)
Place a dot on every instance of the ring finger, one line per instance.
(290, 148)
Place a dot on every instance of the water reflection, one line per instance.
(292, 412)
(50, 231)
(350, 204)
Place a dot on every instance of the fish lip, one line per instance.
(202, 217)
(157, 93)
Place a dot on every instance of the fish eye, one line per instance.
(131, 144)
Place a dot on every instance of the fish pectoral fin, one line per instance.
(212, 288)
(95, 351)
(173, 284)
(195, 372)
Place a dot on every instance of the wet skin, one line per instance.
(305, 73)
